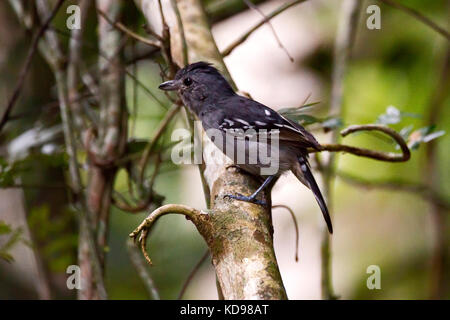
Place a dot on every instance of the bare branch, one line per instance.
(377, 155)
(275, 35)
(271, 15)
(162, 127)
(416, 14)
(347, 26)
(182, 35)
(105, 56)
(191, 275)
(142, 270)
(129, 32)
(143, 229)
(73, 65)
(27, 64)
(422, 190)
(294, 219)
(144, 205)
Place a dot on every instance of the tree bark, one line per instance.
(239, 234)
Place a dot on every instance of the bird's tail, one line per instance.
(303, 172)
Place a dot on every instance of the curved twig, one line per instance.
(192, 274)
(373, 154)
(295, 225)
(144, 228)
(143, 205)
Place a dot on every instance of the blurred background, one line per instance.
(396, 70)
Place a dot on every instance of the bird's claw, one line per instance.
(241, 197)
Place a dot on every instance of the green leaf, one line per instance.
(6, 256)
(5, 228)
(332, 123)
(391, 116)
(136, 146)
(423, 135)
(433, 136)
(297, 110)
(406, 131)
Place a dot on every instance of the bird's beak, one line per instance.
(169, 85)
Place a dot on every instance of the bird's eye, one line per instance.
(187, 81)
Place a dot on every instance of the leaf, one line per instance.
(405, 132)
(6, 256)
(5, 228)
(423, 135)
(332, 123)
(136, 146)
(392, 116)
(297, 110)
(433, 136)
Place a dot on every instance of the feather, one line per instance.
(303, 172)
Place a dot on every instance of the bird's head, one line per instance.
(197, 82)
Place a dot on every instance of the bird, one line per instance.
(252, 127)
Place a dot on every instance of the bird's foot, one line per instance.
(250, 199)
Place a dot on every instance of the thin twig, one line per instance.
(162, 127)
(128, 73)
(271, 15)
(134, 93)
(144, 228)
(50, 49)
(123, 205)
(142, 270)
(192, 274)
(416, 14)
(181, 30)
(433, 177)
(294, 219)
(275, 35)
(347, 26)
(129, 32)
(377, 155)
(73, 66)
(419, 189)
(27, 64)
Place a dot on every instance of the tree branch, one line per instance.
(192, 273)
(267, 20)
(129, 32)
(294, 220)
(416, 14)
(422, 190)
(142, 270)
(27, 64)
(271, 15)
(347, 26)
(377, 155)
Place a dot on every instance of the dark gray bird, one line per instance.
(253, 128)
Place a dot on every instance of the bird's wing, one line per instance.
(248, 114)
